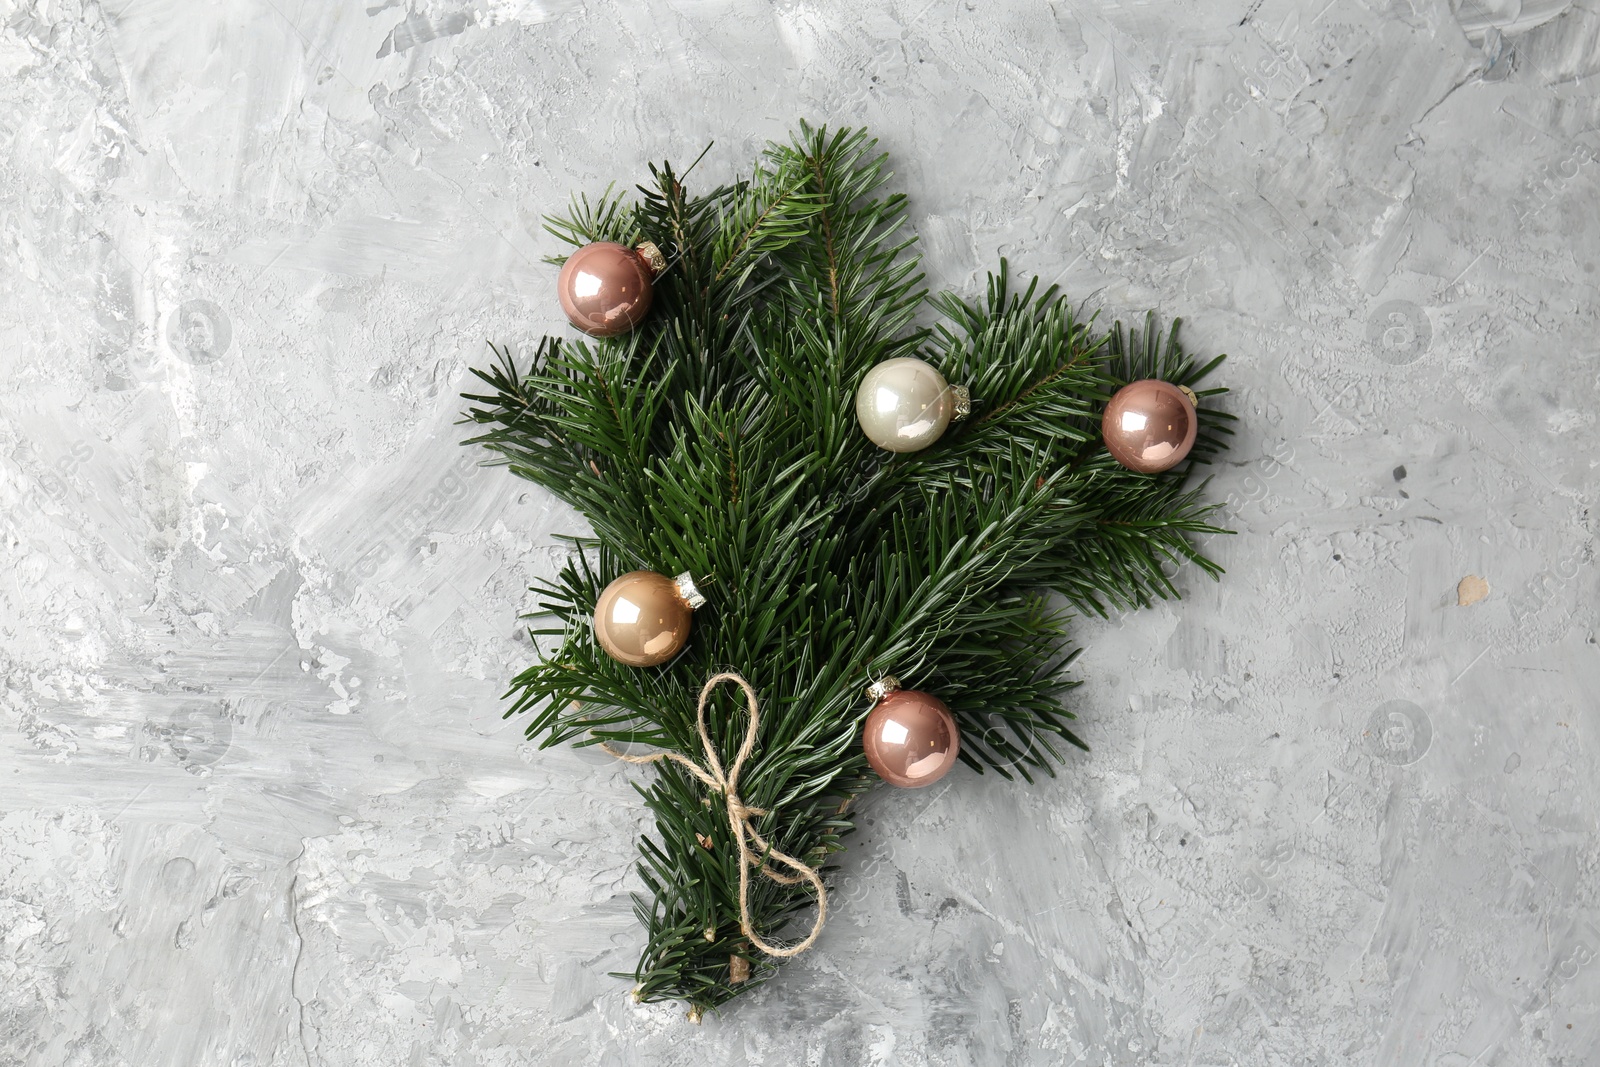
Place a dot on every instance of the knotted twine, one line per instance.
(741, 816)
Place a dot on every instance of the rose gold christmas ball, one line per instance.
(605, 288)
(1149, 426)
(642, 619)
(911, 739)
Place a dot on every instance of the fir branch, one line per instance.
(720, 438)
(608, 218)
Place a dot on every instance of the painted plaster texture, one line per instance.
(258, 807)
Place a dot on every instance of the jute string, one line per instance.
(741, 816)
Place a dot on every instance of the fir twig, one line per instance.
(720, 438)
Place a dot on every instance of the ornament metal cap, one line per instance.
(687, 590)
(876, 691)
(963, 402)
(650, 252)
(1194, 401)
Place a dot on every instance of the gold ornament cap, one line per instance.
(961, 402)
(1194, 401)
(689, 591)
(650, 252)
(881, 688)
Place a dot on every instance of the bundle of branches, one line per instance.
(720, 438)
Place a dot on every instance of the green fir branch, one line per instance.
(720, 438)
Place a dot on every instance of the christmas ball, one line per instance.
(911, 739)
(605, 288)
(904, 404)
(1150, 425)
(642, 618)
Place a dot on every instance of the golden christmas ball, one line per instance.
(642, 618)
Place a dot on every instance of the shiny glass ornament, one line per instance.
(605, 288)
(1149, 426)
(911, 738)
(905, 404)
(642, 618)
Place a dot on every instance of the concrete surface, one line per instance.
(257, 805)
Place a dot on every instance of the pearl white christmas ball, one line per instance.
(904, 404)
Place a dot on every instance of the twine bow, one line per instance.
(741, 816)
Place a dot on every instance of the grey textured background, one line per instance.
(257, 805)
